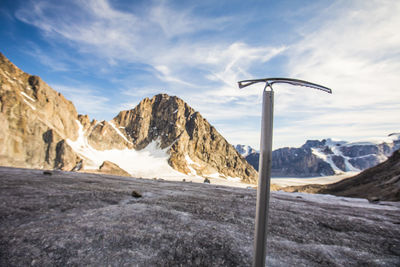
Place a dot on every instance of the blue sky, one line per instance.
(106, 56)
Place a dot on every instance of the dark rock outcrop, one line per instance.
(298, 162)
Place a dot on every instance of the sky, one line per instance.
(107, 55)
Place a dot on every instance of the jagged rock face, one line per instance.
(293, 162)
(34, 120)
(194, 144)
(363, 150)
(103, 135)
(314, 144)
(339, 162)
(298, 162)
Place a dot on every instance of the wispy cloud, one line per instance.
(87, 100)
(159, 37)
(354, 48)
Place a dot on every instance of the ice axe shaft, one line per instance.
(264, 179)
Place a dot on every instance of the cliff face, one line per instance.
(298, 162)
(41, 129)
(34, 120)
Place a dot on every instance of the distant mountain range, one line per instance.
(328, 156)
(162, 136)
(245, 150)
(381, 182)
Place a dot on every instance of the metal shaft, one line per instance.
(264, 171)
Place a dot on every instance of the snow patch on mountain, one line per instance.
(152, 161)
(119, 132)
(339, 156)
(391, 138)
(29, 104)
(245, 150)
(28, 97)
(334, 147)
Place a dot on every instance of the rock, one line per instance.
(339, 162)
(136, 194)
(78, 166)
(374, 200)
(298, 162)
(112, 168)
(313, 144)
(207, 181)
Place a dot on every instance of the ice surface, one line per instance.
(284, 181)
(79, 219)
(342, 201)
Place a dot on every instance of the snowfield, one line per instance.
(293, 181)
(149, 162)
(68, 218)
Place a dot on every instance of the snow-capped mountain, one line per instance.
(245, 150)
(329, 156)
(380, 182)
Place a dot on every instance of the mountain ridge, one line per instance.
(42, 129)
(381, 182)
(329, 157)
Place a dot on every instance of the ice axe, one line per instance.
(264, 169)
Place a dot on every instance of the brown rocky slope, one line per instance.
(381, 182)
(35, 121)
(38, 123)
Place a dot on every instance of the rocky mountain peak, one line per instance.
(195, 146)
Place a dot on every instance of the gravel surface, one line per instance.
(76, 219)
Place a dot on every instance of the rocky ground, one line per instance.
(67, 218)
